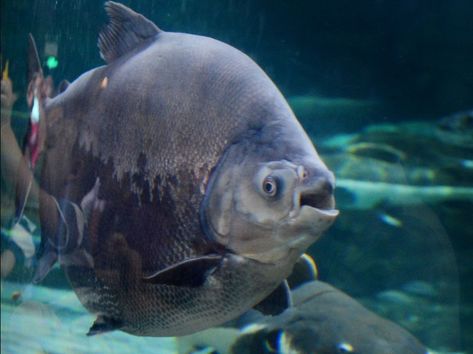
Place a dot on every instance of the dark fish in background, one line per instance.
(321, 319)
(185, 187)
(324, 320)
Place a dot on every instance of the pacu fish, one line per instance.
(184, 185)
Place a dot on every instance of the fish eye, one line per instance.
(270, 186)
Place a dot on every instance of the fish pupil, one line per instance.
(269, 185)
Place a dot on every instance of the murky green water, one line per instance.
(385, 92)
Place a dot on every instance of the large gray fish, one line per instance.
(324, 320)
(185, 187)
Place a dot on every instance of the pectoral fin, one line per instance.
(276, 302)
(190, 273)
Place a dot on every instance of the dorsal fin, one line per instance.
(126, 30)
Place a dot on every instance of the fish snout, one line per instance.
(316, 188)
(313, 206)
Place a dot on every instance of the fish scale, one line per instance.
(201, 304)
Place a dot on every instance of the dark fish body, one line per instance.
(153, 159)
(325, 320)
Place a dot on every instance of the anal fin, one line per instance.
(276, 302)
(104, 324)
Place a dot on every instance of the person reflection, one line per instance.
(17, 176)
(14, 244)
(62, 221)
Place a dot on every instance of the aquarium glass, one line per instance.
(384, 89)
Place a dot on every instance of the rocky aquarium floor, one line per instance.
(46, 320)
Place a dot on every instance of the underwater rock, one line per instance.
(457, 129)
(397, 154)
(421, 312)
(354, 194)
(396, 229)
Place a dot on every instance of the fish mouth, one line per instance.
(323, 206)
(319, 202)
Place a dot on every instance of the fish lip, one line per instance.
(326, 216)
(326, 213)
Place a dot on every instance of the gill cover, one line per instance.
(247, 200)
